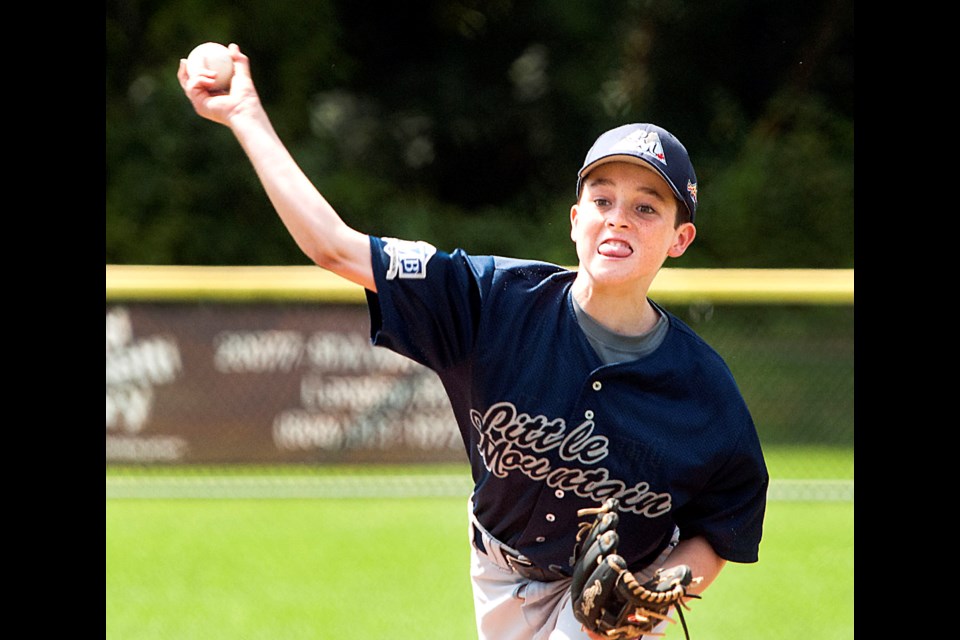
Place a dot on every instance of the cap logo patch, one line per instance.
(407, 259)
(692, 190)
(645, 142)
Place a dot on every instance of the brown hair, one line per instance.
(683, 214)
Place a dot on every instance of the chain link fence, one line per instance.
(212, 383)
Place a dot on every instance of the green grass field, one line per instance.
(291, 569)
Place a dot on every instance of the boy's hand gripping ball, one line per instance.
(215, 57)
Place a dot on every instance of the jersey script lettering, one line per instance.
(510, 440)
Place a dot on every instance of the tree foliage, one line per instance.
(464, 122)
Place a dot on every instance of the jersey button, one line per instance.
(558, 493)
(551, 517)
(588, 414)
(597, 385)
(541, 539)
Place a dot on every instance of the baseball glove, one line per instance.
(607, 598)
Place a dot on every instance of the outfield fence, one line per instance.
(273, 366)
(285, 486)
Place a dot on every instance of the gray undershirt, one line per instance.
(615, 347)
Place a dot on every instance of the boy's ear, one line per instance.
(683, 238)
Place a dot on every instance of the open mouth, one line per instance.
(614, 249)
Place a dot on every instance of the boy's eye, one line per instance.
(601, 202)
(645, 208)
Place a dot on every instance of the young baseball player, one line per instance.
(569, 387)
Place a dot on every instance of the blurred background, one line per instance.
(464, 122)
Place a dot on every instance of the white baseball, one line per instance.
(213, 56)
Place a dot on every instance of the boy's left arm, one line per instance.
(701, 558)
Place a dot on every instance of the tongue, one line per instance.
(615, 250)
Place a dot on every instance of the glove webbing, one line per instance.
(675, 595)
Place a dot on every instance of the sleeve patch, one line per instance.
(407, 259)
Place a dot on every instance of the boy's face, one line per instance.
(623, 225)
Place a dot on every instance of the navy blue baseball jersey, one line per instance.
(550, 429)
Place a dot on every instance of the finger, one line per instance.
(182, 75)
(199, 84)
(241, 63)
(191, 83)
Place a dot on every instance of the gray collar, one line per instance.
(615, 347)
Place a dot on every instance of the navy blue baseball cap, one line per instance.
(650, 146)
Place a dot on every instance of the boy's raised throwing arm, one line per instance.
(314, 224)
